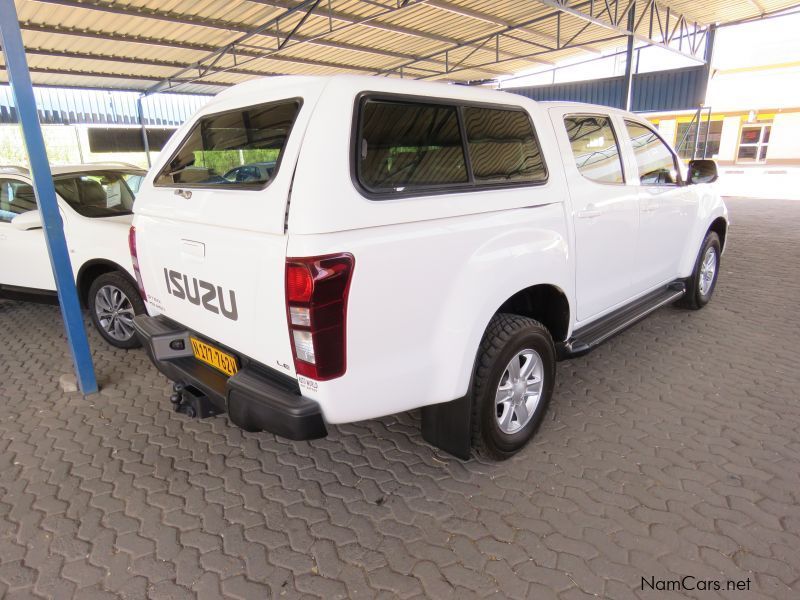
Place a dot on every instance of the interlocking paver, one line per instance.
(671, 450)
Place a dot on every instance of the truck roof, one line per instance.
(248, 92)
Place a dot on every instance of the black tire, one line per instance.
(131, 293)
(695, 299)
(505, 337)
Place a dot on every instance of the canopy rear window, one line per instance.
(239, 149)
(410, 147)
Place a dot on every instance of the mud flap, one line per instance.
(448, 426)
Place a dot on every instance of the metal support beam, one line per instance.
(44, 190)
(117, 78)
(708, 56)
(699, 122)
(627, 90)
(708, 131)
(612, 25)
(143, 124)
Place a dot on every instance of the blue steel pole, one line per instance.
(20, 80)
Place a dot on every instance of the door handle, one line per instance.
(589, 212)
(650, 207)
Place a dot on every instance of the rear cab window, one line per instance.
(407, 147)
(236, 149)
(595, 148)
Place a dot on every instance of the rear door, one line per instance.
(604, 210)
(24, 261)
(212, 249)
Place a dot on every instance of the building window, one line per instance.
(753, 143)
(707, 144)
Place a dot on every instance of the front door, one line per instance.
(667, 208)
(604, 210)
(23, 254)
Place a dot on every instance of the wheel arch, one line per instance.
(720, 227)
(544, 302)
(91, 270)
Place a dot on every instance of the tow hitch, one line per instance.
(190, 401)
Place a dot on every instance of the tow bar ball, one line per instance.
(191, 402)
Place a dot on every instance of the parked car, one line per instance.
(252, 172)
(246, 173)
(418, 245)
(95, 202)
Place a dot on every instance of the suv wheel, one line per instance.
(513, 384)
(113, 302)
(700, 286)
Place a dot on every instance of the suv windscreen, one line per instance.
(239, 148)
(96, 194)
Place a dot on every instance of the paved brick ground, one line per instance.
(672, 450)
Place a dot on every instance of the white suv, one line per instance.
(95, 202)
(417, 245)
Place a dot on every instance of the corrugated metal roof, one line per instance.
(135, 44)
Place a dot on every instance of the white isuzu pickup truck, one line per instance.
(387, 245)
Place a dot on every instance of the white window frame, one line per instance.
(759, 145)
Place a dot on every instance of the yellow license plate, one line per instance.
(215, 357)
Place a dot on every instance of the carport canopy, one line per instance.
(202, 47)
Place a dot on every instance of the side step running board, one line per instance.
(587, 338)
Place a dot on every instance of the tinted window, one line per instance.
(96, 194)
(406, 146)
(219, 143)
(502, 146)
(654, 159)
(595, 148)
(16, 198)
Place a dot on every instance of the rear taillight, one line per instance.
(316, 308)
(135, 261)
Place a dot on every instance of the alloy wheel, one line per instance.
(114, 312)
(519, 391)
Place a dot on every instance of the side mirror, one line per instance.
(28, 220)
(702, 171)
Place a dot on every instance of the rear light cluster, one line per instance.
(135, 261)
(316, 307)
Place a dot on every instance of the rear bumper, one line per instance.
(255, 398)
